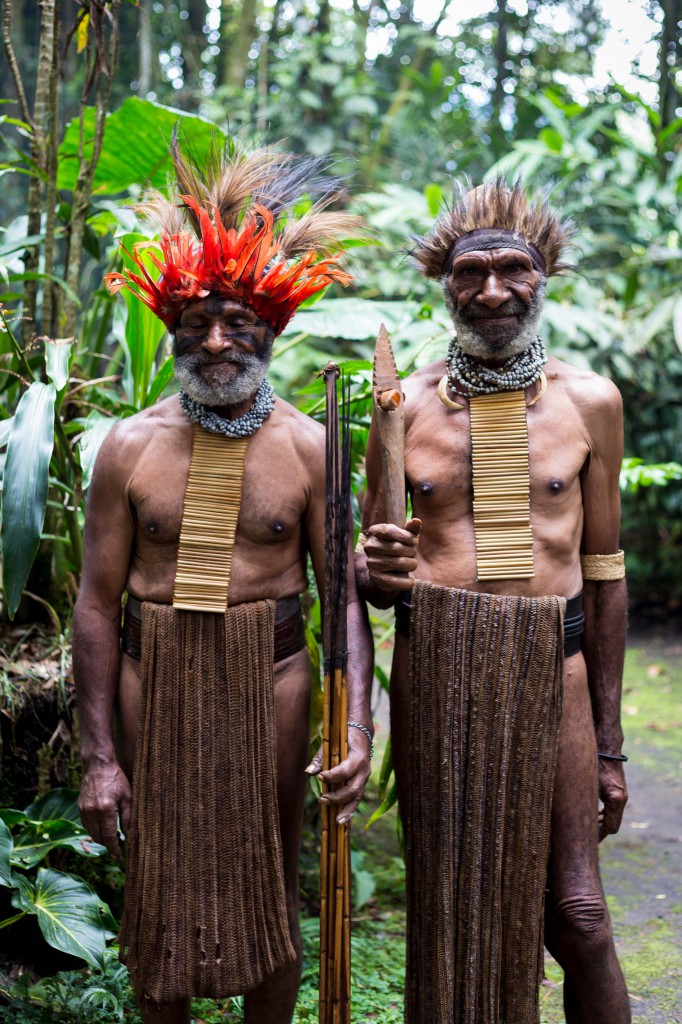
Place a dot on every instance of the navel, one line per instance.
(555, 485)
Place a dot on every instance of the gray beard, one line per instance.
(252, 371)
(509, 342)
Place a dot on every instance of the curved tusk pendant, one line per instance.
(444, 397)
(543, 388)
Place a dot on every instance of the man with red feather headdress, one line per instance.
(203, 510)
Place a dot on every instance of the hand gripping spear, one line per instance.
(389, 420)
(335, 846)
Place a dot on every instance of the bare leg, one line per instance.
(274, 1001)
(171, 1013)
(578, 928)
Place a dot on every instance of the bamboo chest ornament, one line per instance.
(209, 521)
(501, 483)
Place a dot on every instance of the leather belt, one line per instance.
(289, 628)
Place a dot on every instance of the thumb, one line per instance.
(414, 526)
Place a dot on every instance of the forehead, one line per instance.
(492, 257)
(215, 306)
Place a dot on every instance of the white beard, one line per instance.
(510, 341)
(229, 392)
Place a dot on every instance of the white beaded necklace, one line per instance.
(245, 426)
(516, 374)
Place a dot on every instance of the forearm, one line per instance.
(96, 668)
(360, 665)
(605, 605)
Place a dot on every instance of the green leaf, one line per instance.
(71, 916)
(26, 477)
(386, 805)
(5, 853)
(135, 149)
(58, 361)
(5, 430)
(677, 323)
(143, 332)
(160, 382)
(352, 319)
(363, 880)
(97, 428)
(37, 838)
(31, 276)
(552, 139)
(58, 803)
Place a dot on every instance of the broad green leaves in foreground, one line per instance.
(71, 916)
(26, 478)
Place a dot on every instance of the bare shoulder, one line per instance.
(421, 384)
(300, 435)
(595, 396)
(126, 442)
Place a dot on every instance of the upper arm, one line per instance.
(600, 475)
(109, 527)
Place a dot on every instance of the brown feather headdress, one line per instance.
(228, 228)
(497, 206)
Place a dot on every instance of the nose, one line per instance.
(217, 340)
(493, 291)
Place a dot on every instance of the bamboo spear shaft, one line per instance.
(334, 1000)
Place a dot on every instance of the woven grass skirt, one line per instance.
(205, 910)
(486, 686)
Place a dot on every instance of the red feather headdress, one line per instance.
(235, 251)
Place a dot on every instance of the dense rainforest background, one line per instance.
(401, 95)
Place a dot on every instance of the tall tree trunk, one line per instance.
(51, 296)
(501, 53)
(101, 62)
(239, 31)
(669, 59)
(145, 43)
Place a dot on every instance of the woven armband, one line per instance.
(362, 540)
(603, 567)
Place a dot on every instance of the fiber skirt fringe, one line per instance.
(486, 686)
(205, 910)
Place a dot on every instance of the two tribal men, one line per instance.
(497, 763)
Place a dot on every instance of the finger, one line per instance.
(354, 764)
(110, 840)
(613, 815)
(315, 765)
(387, 560)
(414, 526)
(390, 532)
(347, 812)
(390, 583)
(124, 813)
(344, 795)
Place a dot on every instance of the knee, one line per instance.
(583, 920)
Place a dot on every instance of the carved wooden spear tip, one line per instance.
(387, 390)
(389, 422)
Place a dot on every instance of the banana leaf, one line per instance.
(5, 852)
(25, 484)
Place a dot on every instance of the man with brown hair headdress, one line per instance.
(505, 692)
(204, 509)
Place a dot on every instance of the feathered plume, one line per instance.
(240, 207)
(494, 205)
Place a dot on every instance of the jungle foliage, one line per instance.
(91, 92)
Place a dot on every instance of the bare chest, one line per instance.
(438, 459)
(272, 505)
